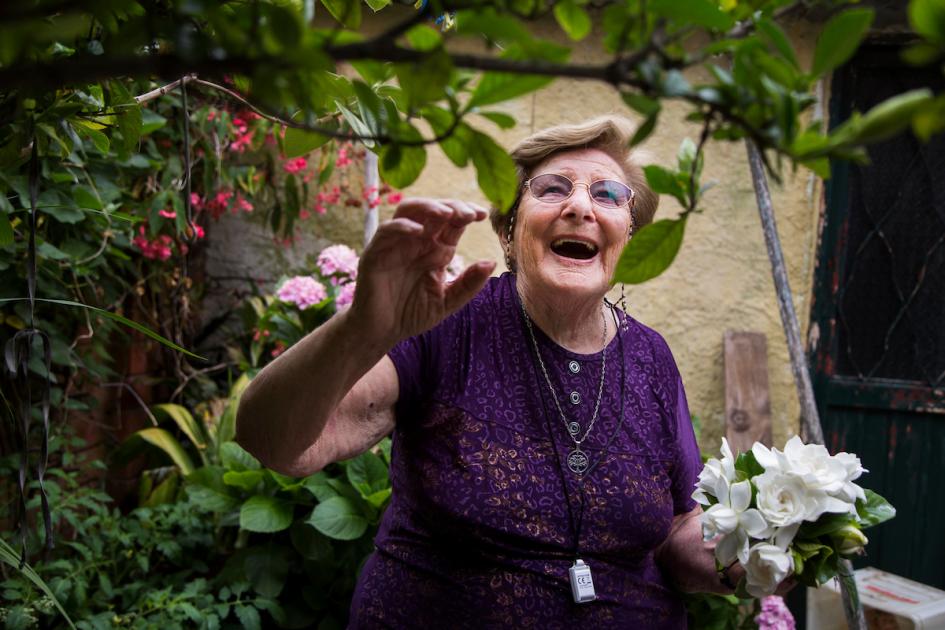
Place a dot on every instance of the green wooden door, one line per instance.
(877, 340)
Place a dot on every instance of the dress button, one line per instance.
(575, 398)
(574, 366)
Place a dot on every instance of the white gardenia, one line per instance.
(767, 567)
(716, 477)
(736, 522)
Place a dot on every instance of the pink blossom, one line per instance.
(168, 214)
(369, 192)
(330, 197)
(296, 165)
(303, 291)
(211, 115)
(304, 214)
(319, 208)
(195, 201)
(345, 296)
(338, 260)
(239, 124)
(279, 349)
(198, 231)
(243, 141)
(774, 615)
(395, 198)
(157, 249)
(242, 204)
(220, 202)
(343, 159)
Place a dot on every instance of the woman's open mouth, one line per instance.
(571, 248)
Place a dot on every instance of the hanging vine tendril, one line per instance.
(18, 354)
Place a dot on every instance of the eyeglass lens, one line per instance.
(552, 188)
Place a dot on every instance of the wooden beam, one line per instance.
(747, 398)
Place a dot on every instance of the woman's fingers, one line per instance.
(468, 284)
(464, 213)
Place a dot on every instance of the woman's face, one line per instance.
(572, 245)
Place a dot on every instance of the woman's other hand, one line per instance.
(402, 289)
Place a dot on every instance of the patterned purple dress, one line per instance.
(486, 518)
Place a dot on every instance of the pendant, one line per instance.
(574, 428)
(578, 461)
(582, 584)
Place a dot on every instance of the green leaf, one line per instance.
(99, 140)
(85, 198)
(235, 457)
(185, 422)
(6, 229)
(248, 616)
(504, 121)
(151, 121)
(367, 473)
(748, 465)
(666, 182)
(425, 81)
(10, 557)
(299, 142)
(206, 486)
(643, 131)
(876, 510)
(826, 524)
(643, 104)
(778, 39)
(244, 479)
(347, 12)
(265, 514)
(267, 568)
(424, 38)
(311, 544)
(318, 485)
(927, 18)
(840, 38)
(698, 12)
(401, 165)
(339, 519)
(882, 121)
(495, 170)
(495, 87)
(128, 115)
(226, 429)
(651, 251)
(169, 444)
(573, 19)
(377, 5)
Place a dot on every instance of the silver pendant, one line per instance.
(578, 461)
(582, 584)
(574, 428)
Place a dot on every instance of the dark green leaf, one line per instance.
(85, 198)
(248, 616)
(367, 473)
(151, 121)
(207, 488)
(377, 5)
(310, 543)
(748, 465)
(651, 251)
(244, 479)
(339, 519)
(504, 121)
(424, 38)
(643, 131)
(127, 114)
(235, 457)
(643, 104)
(698, 12)
(299, 142)
(928, 19)
(265, 514)
(401, 165)
(573, 19)
(777, 38)
(666, 182)
(495, 87)
(876, 510)
(495, 170)
(840, 39)
(425, 81)
(347, 12)
(6, 229)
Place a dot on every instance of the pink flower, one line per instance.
(243, 141)
(279, 349)
(303, 291)
(242, 204)
(774, 615)
(369, 192)
(239, 124)
(345, 296)
(304, 214)
(195, 201)
(198, 231)
(343, 160)
(211, 115)
(157, 249)
(296, 165)
(338, 260)
(220, 202)
(395, 198)
(319, 208)
(168, 214)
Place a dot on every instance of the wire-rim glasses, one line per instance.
(555, 188)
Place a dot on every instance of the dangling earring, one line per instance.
(623, 305)
(509, 262)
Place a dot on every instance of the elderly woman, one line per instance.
(543, 456)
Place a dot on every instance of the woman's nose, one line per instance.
(580, 203)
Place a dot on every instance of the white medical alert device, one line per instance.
(582, 584)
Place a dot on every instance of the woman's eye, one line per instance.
(554, 191)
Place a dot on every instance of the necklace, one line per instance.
(578, 461)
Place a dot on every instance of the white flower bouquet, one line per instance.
(782, 513)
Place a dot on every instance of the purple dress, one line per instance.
(486, 518)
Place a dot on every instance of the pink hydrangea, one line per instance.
(345, 296)
(338, 260)
(774, 615)
(303, 291)
(296, 165)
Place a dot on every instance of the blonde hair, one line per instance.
(610, 134)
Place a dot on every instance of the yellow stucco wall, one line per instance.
(721, 279)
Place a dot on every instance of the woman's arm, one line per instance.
(688, 561)
(332, 395)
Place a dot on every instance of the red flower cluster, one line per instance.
(296, 165)
(157, 249)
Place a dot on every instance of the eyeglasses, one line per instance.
(554, 188)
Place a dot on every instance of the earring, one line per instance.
(623, 305)
(509, 261)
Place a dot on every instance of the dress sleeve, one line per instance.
(688, 460)
(413, 359)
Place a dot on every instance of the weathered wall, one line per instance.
(721, 278)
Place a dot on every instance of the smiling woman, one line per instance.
(543, 455)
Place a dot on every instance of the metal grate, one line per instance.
(891, 299)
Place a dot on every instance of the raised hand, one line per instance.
(401, 288)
